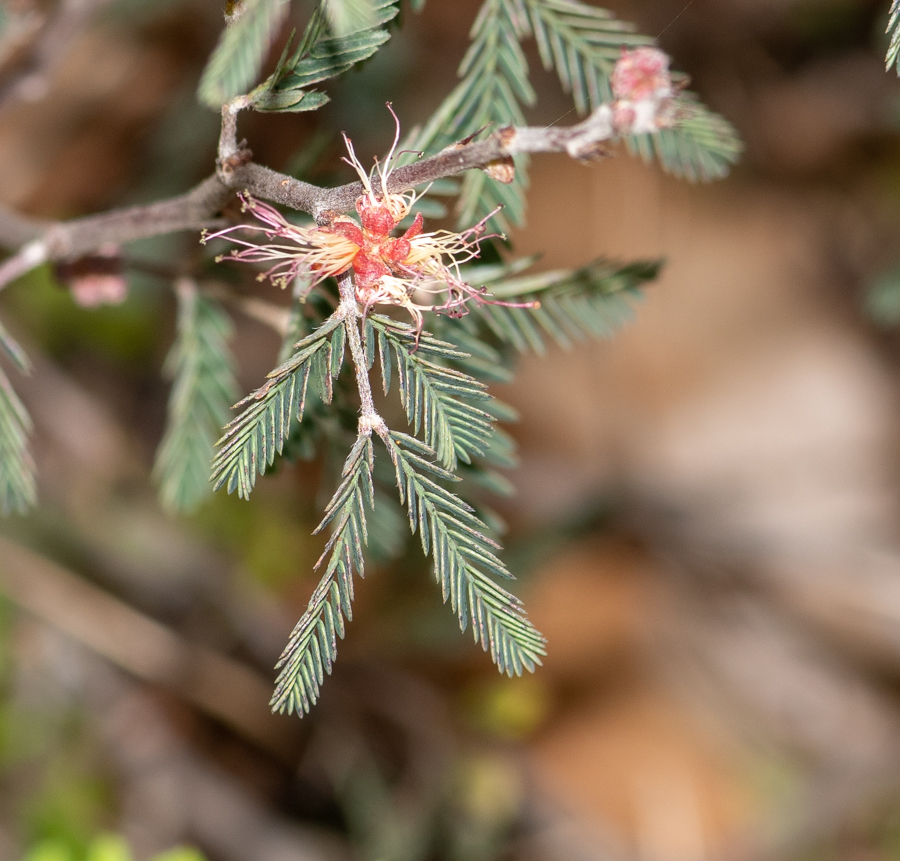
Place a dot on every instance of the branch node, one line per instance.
(241, 157)
(502, 169)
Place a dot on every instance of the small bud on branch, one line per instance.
(403, 270)
(645, 99)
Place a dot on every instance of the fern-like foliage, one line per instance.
(593, 301)
(235, 64)
(464, 559)
(580, 43)
(339, 34)
(437, 399)
(349, 16)
(312, 648)
(252, 440)
(494, 86)
(202, 368)
(12, 349)
(360, 32)
(440, 377)
(703, 145)
(893, 27)
(18, 487)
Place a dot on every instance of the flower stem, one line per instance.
(369, 418)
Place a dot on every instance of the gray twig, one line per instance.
(198, 208)
(31, 80)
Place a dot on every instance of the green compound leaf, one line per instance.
(350, 16)
(252, 440)
(312, 648)
(893, 27)
(494, 85)
(202, 368)
(437, 399)
(701, 147)
(237, 60)
(16, 354)
(319, 58)
(593, 301)
(18, 487)
(581, 43)
(464, 559)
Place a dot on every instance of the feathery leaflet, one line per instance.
(581, 43)
(252, 440)
(312, 647)
(463, 559)
(893, 27)
(436, 398)
(237, 60)
(18, 487)
(593, 301)
(359, 30)
(203, 389)
(494, 85)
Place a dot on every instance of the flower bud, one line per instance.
(642, 74)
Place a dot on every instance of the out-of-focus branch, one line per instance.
(67, 240)
(30, 80)
(582, 141)
(198, 208)
(636, 112)
(191, 211)
(225, 689)
(70, 239)
(276, 317)
(16, 230)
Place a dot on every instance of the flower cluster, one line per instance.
(417, 271)
(644, 91)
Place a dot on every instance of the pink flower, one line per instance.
(409, 270)
(640, 74)
(96, 279)
(644, 91)
(293, 250)
(89, 291)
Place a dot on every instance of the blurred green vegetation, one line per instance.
(264, 534)
(125, 334)
(53, 784)
(105, 847)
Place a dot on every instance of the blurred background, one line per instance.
(706, 525)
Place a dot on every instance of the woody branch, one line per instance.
(198, 208)
(37, 241)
